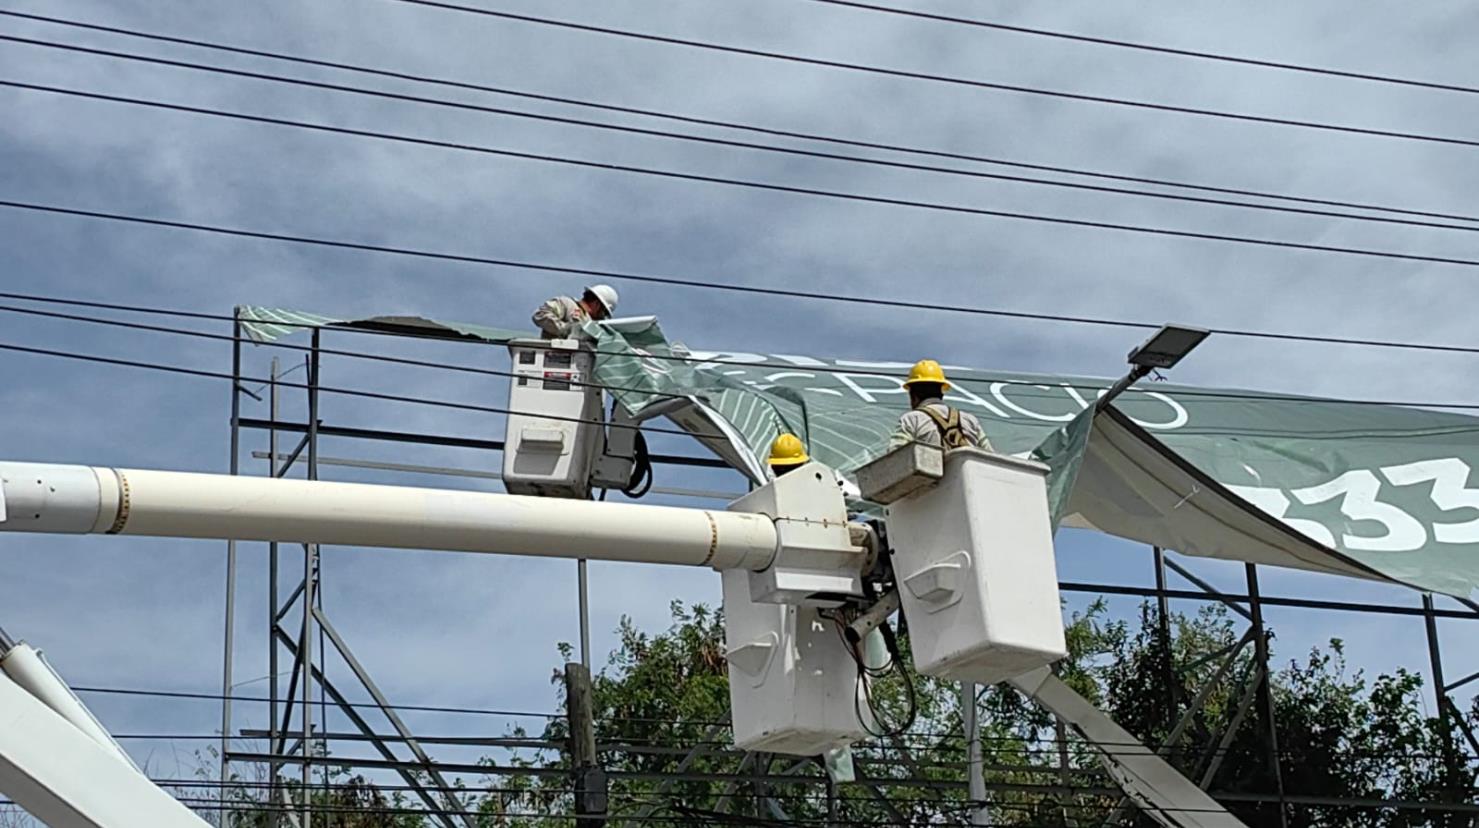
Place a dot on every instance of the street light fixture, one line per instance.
(1163, 350)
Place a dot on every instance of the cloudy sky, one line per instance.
(445, 629)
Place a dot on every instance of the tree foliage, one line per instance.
(1189, 686)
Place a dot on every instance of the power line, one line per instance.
(181, 694)
(676, 175)
(1152, 47)
(689, 119)
(386, 358)
(665, 134)
(936, 78)
(348, 392)
(647, 278)
(983, 311)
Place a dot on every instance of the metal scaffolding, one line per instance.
(300, 636)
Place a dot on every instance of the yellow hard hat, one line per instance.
(787, 450)
(927, 370)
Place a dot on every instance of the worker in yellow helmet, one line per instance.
(787, 453)
(562, 316)
(929, 420)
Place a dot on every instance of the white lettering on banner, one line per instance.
(803, 361)
(1450, 477)
(649, 364)
(1357, 492)
(1077, 397)
(1276, 503)
(894, 385)
(891, 385)
(709, 360)
(780, 375)
(1052, 418)
(874, 366)
(1178, 419)
(958, 392)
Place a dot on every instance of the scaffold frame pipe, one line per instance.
(91, 499)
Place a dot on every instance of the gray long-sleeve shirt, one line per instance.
(560, 317)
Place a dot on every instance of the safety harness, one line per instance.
(951, 434)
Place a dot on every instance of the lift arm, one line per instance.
(1160, 791)
(59, 764)
(36, 497)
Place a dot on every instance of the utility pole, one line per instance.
(590, 780)
(975, 781)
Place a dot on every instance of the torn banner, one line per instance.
(1373, 491)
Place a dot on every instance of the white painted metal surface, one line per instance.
(66, 779)
(27, 667)
(552, 440)
(83, 499)
(1160, 791)
(792, 683)
(816, 563)
(977, 576)
(792, 680)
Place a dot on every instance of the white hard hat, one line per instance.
(606, 295)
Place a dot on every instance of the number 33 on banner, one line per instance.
(1357, 490)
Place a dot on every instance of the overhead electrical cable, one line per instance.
(965, 309)
(936, 78)
(746, 145)
(697, 177)
(326, 389)
(1154, 47)
(436, 255)
(681, 118)
(820, 369)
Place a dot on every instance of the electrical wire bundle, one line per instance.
(641, 479)
(867, 675)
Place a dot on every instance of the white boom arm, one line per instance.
(1159, 790)
(59, 764)
(36, 497)
(974, 559)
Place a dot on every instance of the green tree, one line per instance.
(1189, 687)
(662, 694)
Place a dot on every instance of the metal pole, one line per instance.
(1440, 688)
(585, 613)
(588, 777)
(1163, 620)
(230, 623)
(1136, 374)
(274, 767)
(310, 588)
(1265, 695)
(975, 782)
(832, 820)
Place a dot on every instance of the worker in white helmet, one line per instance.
(562, 316)
(929, 420)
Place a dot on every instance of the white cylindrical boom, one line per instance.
(69, 779)
(27, 667)
(37, 497)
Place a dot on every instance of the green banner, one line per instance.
(1386, 487)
